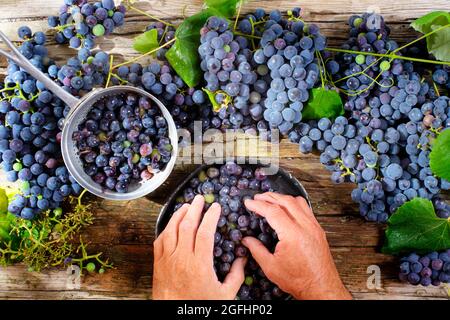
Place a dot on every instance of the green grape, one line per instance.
(248, 280)
(101, 270)
(90, 267)
(98, 30)
(357, 22)
(385, 65)
(57, 211)
(209, 198)
(360, 59)
(17, 166)
(202, 176)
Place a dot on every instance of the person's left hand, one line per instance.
(183, 265)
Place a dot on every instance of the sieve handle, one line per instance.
(25, 64)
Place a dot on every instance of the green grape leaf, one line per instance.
(440, 155)
(227, 8)
(323, 103)
(5, 218)
(147, 41)
(212, 98)
(415, 227)
(3, 201)
(424, 23)
(437, 43)
(183, 56)
(185, 61)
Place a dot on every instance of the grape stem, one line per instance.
(246, 35)
(395, 56)
(391, 56)
(111, 59)
(237, 15)
(143, 55)
(130, 6)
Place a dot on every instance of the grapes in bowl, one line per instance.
(126, 145)
(230, 185)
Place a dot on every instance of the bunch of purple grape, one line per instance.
(124, 139)
(83, 72)
(230, 185)
(158, 78)
(234, 82)
(432, 268)
(80, 22)
(384, 144)
(291, 50)
(166, 33)
(29, 133)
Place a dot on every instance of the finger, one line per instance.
(277, 218)
(297, 207)
(204, 240)
(286, 202)
(236, 276)
(259, 252)
(189, 224)
(158, 248)
(169, 237)
(305, 207)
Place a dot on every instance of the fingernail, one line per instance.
(215, 205)
(198, 196)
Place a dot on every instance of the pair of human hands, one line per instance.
(301, 264)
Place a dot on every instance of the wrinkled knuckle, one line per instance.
(203, 235)
(186, 225)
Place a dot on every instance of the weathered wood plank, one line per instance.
(125, 231)
(132, 278)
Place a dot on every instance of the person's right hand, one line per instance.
(302, 264)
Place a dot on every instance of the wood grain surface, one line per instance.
(124, 231)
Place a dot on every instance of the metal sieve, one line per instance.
(79, 109)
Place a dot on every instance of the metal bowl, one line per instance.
(72, 160)
(283, 181)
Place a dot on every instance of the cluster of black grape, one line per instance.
(166, 33)
(441, 76)
(83, 72)
(291, 50)
(384, 144)
(236, 83)
(124, 139)
(433, 268)
(230, 185)
(158, 78)
(29, 134)
(80, 22)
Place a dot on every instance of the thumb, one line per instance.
(258, 251)
(235, 277)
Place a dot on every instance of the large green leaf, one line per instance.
(185, 61)
(227, 8)
(424, 23)
(147, 41)
(323, 103)
(5, 217)
(415, 227)
(438, 42)
(183, 55)
(440, 155)
(3, 202)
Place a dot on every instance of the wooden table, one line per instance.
(124, 231)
